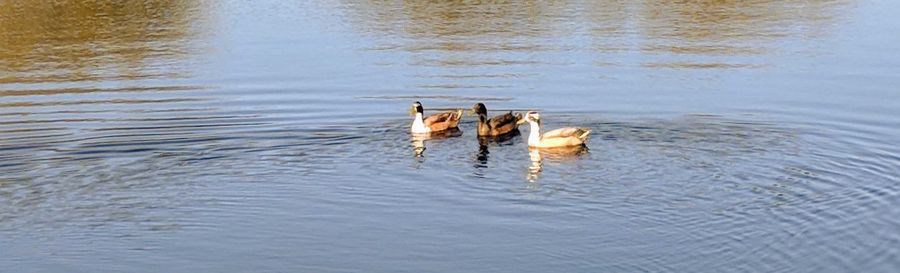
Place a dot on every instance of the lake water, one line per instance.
(271, 136)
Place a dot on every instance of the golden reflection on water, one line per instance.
(93, 40)
(730, 27)
(457, 19)
(504, 33)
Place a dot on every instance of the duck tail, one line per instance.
(585, 134)
(459, 114)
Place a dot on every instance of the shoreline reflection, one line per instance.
(88, 41)
(444, 41)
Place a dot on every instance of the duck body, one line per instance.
(434, 123)
(498, 125)
(562, 137)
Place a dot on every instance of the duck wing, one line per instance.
(503, 120)
(581, 133)
(444, 120)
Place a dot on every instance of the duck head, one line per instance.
(416, 108)
(479, 109)
(532, 117)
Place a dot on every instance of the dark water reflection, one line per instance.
(229, 136)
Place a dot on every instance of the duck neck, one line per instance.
(482, 120)
(534, 136)
(418, 125)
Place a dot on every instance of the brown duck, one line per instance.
(434, 123)
(496, 126)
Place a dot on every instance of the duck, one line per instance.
(562, 137)
(495, 126)
(434, 123)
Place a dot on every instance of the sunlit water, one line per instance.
(245, 136)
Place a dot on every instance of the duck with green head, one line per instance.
(495, 126)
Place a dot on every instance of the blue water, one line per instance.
(271, 136)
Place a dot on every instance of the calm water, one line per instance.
(245, 136)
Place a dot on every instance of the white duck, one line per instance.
(562, 137)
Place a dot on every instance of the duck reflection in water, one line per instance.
(499, 129)
(559, 154)
(481, 158)
(418, 140)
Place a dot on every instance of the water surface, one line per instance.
(271, 136)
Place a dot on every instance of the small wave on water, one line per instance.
(238, 136)
(714, 182)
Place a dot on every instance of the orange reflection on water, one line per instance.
(521, 37)
(476, 30)
(93, 40)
